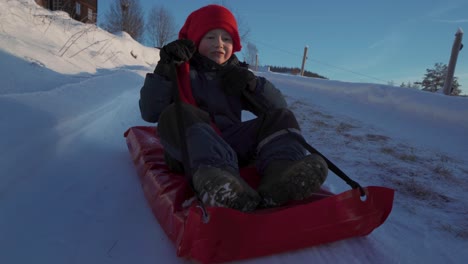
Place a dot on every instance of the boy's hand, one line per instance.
(180, 50)
(235, 80)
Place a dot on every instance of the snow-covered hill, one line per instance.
(69, 192)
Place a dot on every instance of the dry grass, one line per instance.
(378, 138)
(443, 172)
(403, 155)
(464, 171)
(416, 190)
(296, 105)
(458, 231)
(320, 123)
(387, 150)
(322, 115)
(344, 127)
(420, 192)
(353, 138)
(407, 157)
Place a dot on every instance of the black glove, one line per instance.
(178, 51)
(235, 80)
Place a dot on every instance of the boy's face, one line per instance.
(216, 45)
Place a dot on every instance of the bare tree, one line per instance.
(160, 26)
(125, 15)
(250, 54)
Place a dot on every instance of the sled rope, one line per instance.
(311, 149)
(330, 164)
(182, 131)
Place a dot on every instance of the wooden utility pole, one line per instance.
(304, 58)
(457, 44)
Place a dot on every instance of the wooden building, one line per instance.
(81, 10)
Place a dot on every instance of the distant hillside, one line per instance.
(295, 71)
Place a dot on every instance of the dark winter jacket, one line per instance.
(224, 109)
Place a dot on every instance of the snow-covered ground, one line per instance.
(69, 192)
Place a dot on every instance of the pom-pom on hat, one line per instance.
(207, 18)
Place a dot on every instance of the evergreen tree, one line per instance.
(434, 79)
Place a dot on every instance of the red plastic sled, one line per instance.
(233, 235)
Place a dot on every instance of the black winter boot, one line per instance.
(221, 187)
(285, 180)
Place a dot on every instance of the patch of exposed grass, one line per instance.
(417, 190)
(344, 127)
(318, 113)
(320, 123)
(388, 150)
(443, 172)
(444, 158)
(296, 105)
(458, 231)
(464, 171)
(407, 157)
(353, 138)
(420, 192)
(375, 137)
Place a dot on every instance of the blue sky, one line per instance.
(358, 41)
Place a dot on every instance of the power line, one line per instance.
(323, 63)
(348, 70)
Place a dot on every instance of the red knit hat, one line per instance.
(207, 18)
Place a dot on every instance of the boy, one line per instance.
(215, 88)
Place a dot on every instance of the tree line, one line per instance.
(295, 71)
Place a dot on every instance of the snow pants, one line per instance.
(260, 140)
